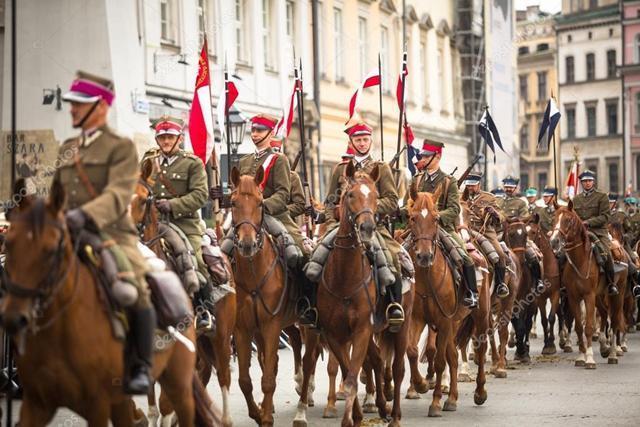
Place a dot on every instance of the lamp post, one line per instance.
(237, 125)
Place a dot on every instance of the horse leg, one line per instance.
(308, 362)
(243, 347)
(271, 337)
(495, 357)
(555, 300)
(451, 404)
(341, 352)
(605, 349)
(34, 413)
(435, 409)
(222, 343)
(503, 334)
(153, 414)
(98, 415)
(330, 410)
(541, 307)
(353, 413)
(430, 352)
(417, 383)
(576, 313)
(374, 362)
(400, 347)
(590, 305)
(295, 341)
(122, 415)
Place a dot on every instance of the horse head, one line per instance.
(567, 228)
(143, 210)
(359, 202)
(247, 212)
(423, 222)
(37, 245)
(515, 233)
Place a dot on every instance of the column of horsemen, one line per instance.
(100, 180)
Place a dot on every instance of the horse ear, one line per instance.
(235, 176)
(535, 218)
(350, 171)
(570, 205)
(375, 173)
(57, 197)
(413, 191)
(146, 169)
(259, 175)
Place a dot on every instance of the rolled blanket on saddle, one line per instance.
(184, 256)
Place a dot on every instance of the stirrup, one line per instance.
(502, 290)
(204, 320)
(540, 286)
(613, 290)
(471, 300)
(636, 291)
(309, 318)
(394, 323)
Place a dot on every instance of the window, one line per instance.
(569, 38)
(571, 121)
(636, 47)
(542, 179)
(320, 34)
(167, 22)
(267, 43)
(591, 120)
(542, 47)
(524, 138)
(202, 17)
(590, 35)
(523, 50)
(542, 85)
(612, 117)
(440, 63)
(611, 63)
(593, 4)
(524, 89)
(206, 24)
(592, 165)
(637, 124)
(569, 69)
(337, 43)
(362, 46)
(241, 24)
(591, 66)
(524, 180)
(614, 174)
(384, 55)
(291, 19)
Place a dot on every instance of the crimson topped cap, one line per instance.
(88, 88)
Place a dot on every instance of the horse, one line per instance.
(438, 303)
(213, 349)
(584, 283)
(552, 283)
(265, 301)
(47, 310)
(347, 304)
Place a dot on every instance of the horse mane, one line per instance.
(424, 201)
(616, 229)
(583, 229)
(34, 216)
(247, 185)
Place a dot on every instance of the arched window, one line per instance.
(636, 48)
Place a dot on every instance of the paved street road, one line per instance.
(549, 391)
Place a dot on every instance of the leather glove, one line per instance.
(225, 201)
(321, 218)
(76, 220)
(164, 206)
(215, 193)
(491, 211)
(311, 212)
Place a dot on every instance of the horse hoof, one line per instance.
(432, 384)
(369, 408)
(523, 359)
(568, 349)
(605, 353)
(550, 349)
(465, 378)
(311, 402)
(624, 348)
(480, 398)
(412, 394)
(450, 406)
(435, 411)
(619, 352)
(363, 377)
(595, 337)
(511, 344)
(533, 335)
(612, 361)
(299, 423)
(422, 387)
(579, 364)
(590, 365)
(394, 423)
(330, 412)
(445, 389)
(389, 394)
(341, 395)
(500, 373)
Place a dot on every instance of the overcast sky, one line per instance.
(551, 6)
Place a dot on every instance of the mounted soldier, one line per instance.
(546, 212)
(514, 208)
(432, 179)
(180, 190)
(296, 202)
(485, 218)
(592, 206)
(531, 194)
(98, 171)
(620, 219)
(631, 204)
(386, 251)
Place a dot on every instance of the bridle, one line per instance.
(351, 220)
(258, 228)
(508, 240)
(567, 245)
(148, 203)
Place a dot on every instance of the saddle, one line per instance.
(212, 256)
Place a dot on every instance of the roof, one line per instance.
(583, 17)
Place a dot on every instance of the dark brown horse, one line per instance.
(583, 281)
(438, 304)
(552, 283)
(264, 300)
(57, 319)
(214, 349)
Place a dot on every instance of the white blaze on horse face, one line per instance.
(519, 231)
(556, 229)
(424, 212)
(364, 189)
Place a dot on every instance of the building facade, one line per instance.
(631, 79)
(589, 55)
(536, 83)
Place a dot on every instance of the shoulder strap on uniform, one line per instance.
(447, 183)
(267, 165)
(163, 178)
(82, 173)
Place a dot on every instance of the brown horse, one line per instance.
(439, 304)
(583, 281)
(617, 233)
(264, 300)
(347, 301)
(552, 283)
(47, 312)
(214, 349)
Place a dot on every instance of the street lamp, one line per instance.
(237, 124)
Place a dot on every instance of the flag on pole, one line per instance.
(489, 133)
(400, 86)
(227, 98)
(372, 79)
(200, 119)
(549, 121)
(283, 128)
(572, 179)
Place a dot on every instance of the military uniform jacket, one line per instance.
(477, 204)
(514, 207)
(387, 195)
(184, 183)
(621, 217)
(448, 202)
(593, 208)
(546, 215)
(277, 188)
(634, 223)
(110, 165)
(296, 203)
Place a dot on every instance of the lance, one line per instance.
(468, 170)
(305, 182)
(401, 116)
(226, 122)
(214, 158)
(555, 164)
(380, 104)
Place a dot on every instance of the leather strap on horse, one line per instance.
(82, 174)
(447, 183)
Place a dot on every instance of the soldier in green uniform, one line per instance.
(430, 180)
(500, 196)
(531, 194)
(180, 189)
(621, 218)
(546, 212)
(634, 219)
(296, 202)
(98, 171)
(592, 206)
(485, 218)
(360, 142)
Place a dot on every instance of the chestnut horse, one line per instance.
(552, 283)
(583, 281)
(347, 305)
(214, 349)
(439, 304)
(264, 299)
(57, 320)
(617, 233)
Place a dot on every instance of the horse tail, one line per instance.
(464, 331)
(207, 415)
